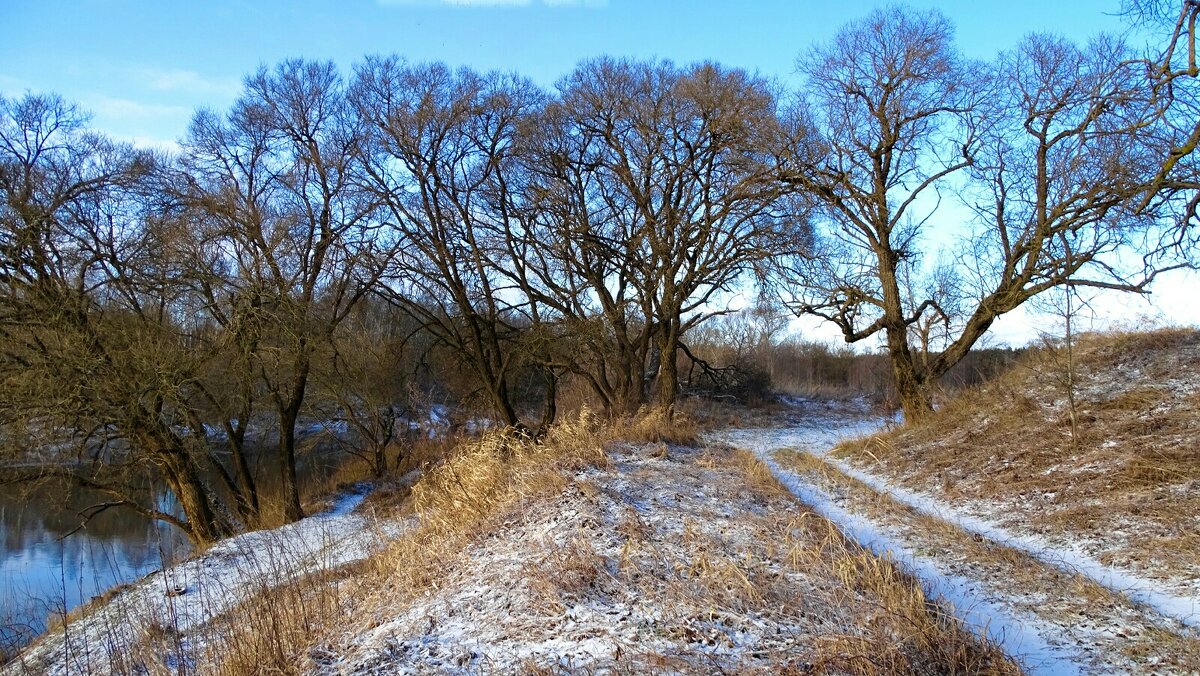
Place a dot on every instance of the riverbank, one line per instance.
(174, 603)
(587, 552)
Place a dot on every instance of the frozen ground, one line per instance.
(1047, 615)
(1117, 494)
(667, 561)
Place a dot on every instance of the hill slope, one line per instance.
(1122, 487)
(578, 555)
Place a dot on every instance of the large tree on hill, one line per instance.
(1050, 148)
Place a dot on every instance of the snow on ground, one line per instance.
(1020, 636)
(1124, 490)
(1181, 607)
(185, 596)
(1055, 630)
(666, 561)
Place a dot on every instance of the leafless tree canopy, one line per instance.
(1052, 153)
(338, 256)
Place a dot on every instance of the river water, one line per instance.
(49, 565)
(46, 569)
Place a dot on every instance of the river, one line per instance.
(49, 565)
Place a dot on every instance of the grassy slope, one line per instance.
(1125, 487)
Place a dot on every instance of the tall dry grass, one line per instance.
(654, 425)
(469, 493)
(908, 633)
(456, 501)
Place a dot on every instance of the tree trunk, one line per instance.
(550, 411)
(632, 394)
(502, 403)
(292, 511)
(247, 495)
(248, 504)
(910, 380)
(204, 525)
(668, 371)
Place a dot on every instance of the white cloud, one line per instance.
(189, 81)
(494, 3)
(128, 109)
(151, 143)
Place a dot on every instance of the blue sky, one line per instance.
(142, 68)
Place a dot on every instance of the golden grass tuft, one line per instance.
(274, 631)
(654, 425)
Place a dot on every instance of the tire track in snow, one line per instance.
(1184, 609)
(1038, 646)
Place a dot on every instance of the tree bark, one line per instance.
(668, 369)
(289, 486)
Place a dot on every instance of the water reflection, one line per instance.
(45, 568)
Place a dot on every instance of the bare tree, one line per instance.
(274, 188)
(438, 141)
(658, 186)
(92, 351)
(1175, 71)
(1050, 145)
(362, 386)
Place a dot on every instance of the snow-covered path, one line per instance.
(1019, 636)
(1047, 646)
(1185, 609)
(663, 560)
(184, 597)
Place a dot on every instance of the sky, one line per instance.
(143, 68)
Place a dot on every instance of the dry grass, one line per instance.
(912, 635)
(270, 632)
(894, 628)
(653, 425)
(1063, 598)
(1128, 481)
(458, 500)
(865, 616)
(57, 620)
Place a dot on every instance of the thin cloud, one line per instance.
(119, 108)
(152, 143)
(180, 80)
(494, 3)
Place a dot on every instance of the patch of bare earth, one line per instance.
(1124, 487)
(659, 560)
(1109, 633)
